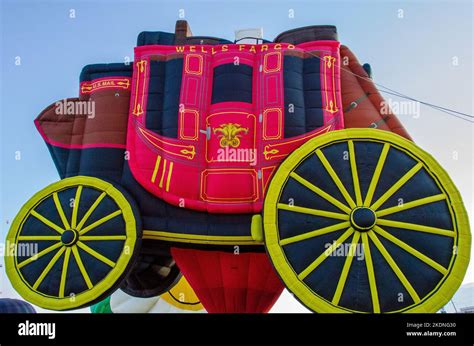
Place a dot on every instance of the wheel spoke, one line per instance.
(325, 254)
(100, 222)
(320, 192)
(39, 237)
(411, 291)
(90, 211)
(315, 233)
(60, 210)
(355, 174)
(345, 270)
(75, 208)
(103, 237)
(412, 204)
(395, 187)
(39, 254)
(310, 211)
(47, 222)
(433, 264)
(62, 284)
(376, 176)
(370, 273)
(81, 267)
(48, 268)
(335, 178)
(415, 227)
(95, 254)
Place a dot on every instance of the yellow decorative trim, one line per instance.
(271, 152)
(199, 239)
(280, 124)
(229, 171)
(155, 170)
(331, 103)
(140, 81)
(256, 228)
(228, 112)
(186, 65)
(182, 125)
(265, 63)
(186, 151)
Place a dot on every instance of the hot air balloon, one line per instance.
(15, 306)
(179, 299)
(247, 168)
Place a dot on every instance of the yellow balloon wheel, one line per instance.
(72, 243)
(363, 220)
(182, 296)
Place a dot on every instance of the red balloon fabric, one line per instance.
(230, 283)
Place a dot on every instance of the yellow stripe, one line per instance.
(395, 187)
(39, 237)
(345, 270)
(76, 206)
(315, 233)
(325, 254)
(40, 254)
(91, 209)
(320, 192)
(103, 237)
(411, 250)
(62, 284)
(48, 268)
(311, 211)
(355, 174)
(335, 178)
(376, 176)
(81, 267)
(199, 239)
(394, 267)
(409, 205)
(370, 273)
(168, 179)
(162, 174)
(100, 222)
(415, 227)
(47, 222)
(95, 254)
(60, 211)
(157, 165)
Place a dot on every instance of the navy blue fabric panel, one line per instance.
(302, 90)
(105, 163)
(164, 90)
(146, 38)
(95, 71)
(232, 83)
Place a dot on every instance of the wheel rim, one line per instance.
(362, 220)
(74, 241)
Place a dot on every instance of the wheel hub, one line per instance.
(69, 237)
(363, 219)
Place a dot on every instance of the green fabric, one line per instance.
(102, 307)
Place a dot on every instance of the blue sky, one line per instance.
(413, 54)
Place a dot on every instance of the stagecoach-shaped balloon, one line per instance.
(250, 167)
